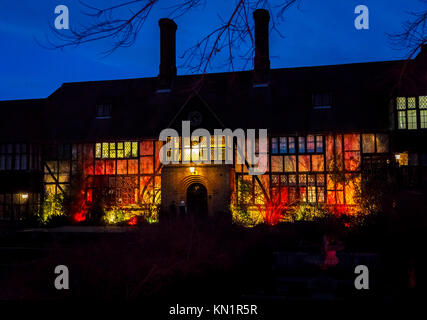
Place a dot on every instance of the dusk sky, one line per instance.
(316, 33)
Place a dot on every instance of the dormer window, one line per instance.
(322, 101)
(103, 111)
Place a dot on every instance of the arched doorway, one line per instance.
(197, 200)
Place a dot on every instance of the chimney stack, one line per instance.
(167, 53)
(262, 56)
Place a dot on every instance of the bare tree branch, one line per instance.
(414, 34)
(233, 33)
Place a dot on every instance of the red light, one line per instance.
(132, 221)
(80, 216)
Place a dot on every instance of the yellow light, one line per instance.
(397, 156)
(24, 195)
(192, 169)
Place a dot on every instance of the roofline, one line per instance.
(234, 72)
(22, 100)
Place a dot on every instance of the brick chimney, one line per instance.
(167, 53)
(262, 56)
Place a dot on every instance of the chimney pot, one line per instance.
(167, 52)
(262, 56)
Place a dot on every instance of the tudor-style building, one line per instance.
(100, 139)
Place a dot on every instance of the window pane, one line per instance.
(312, 194)
(382, 143)
(303, 163)
(134, 149)
(411, 103)
(105, 150)
(401, 119)
(274, 148)
(412, 119)
(276, 164)
(120, 150)
(290, 163)
(127, 149)
(9, 162)
(401, 103)
(368, 143)
(310, 143)
(319, 144)
(351, 142)
(301, 144)
(283, 145)
(320, 194)
(423, 102)
(291, 145)
(318, 163)
(17, 162)
(284, 180)
(2, 162)
(98, 150)
(112, 150)
(423, 119)
(23, 162)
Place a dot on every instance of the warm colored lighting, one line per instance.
(192, 169)
(397, 156)
(24, 196)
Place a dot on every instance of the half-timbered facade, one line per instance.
(97, 142)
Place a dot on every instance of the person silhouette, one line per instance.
(182, 209)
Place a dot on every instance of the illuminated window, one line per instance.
(311, 194)
(13, 156)
(407, 112)
(310, 143)
(116, 150)
(423, 111)
(283, 145)
(274, 145)
(291, 144)
(301, 144)
(217, 148)
(319, 143)
(412, 119)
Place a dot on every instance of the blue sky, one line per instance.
(318, 33)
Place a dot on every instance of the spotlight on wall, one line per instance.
(192, 169)
(24, 196)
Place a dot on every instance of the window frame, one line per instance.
(105, 112)
(12, 156)
(325, 101)
(419, 112)
(115, 155)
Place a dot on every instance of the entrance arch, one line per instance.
(197, 200)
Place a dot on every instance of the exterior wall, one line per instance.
(21, 180)
(94, 176)
(218, 180)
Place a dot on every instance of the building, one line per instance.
(99, 141)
